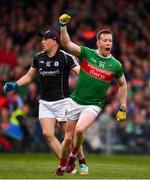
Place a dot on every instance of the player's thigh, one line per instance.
(85, 121)
(87, 117)
(48, 125)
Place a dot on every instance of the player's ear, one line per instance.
(98, 42)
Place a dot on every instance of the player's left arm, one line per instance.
(121, 115)
(122, 92)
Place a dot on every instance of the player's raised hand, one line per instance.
(10, 86)
(121, 115)
(64, 19)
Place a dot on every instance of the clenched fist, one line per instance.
(121, 115)
(10, 86)
(64, 19)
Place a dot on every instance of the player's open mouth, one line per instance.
(107, 49)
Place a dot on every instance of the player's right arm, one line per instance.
(26, 79)
(65, 38)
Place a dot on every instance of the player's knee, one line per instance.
(68, 140)
(79, 130)
(48, 135)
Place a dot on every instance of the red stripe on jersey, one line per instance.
(96, 72)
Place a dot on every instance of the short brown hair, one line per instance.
(103, 31)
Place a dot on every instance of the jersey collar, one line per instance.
(54, 54)
(102, 56)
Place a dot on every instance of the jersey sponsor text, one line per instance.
(96, 72)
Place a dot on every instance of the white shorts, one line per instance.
(75, 110)
(53, 109)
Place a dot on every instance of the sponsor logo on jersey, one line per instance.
(94, 60)
(97, 72)
(42, 62)
(56, 63)
(48, 64)
(49, 73)
(110, 66)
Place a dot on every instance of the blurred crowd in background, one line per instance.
(130, 22)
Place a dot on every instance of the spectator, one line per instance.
(19, 119)
(5, 141)
(136, 133)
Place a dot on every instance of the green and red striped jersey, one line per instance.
(95, 77)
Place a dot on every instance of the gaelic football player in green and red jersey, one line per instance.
(98, 68)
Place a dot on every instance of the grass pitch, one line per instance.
(42, 166)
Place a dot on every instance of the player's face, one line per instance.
(104, 44)
(47, 44)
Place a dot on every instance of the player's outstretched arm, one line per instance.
(121, 115)
(27, 78)
(65, 38)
